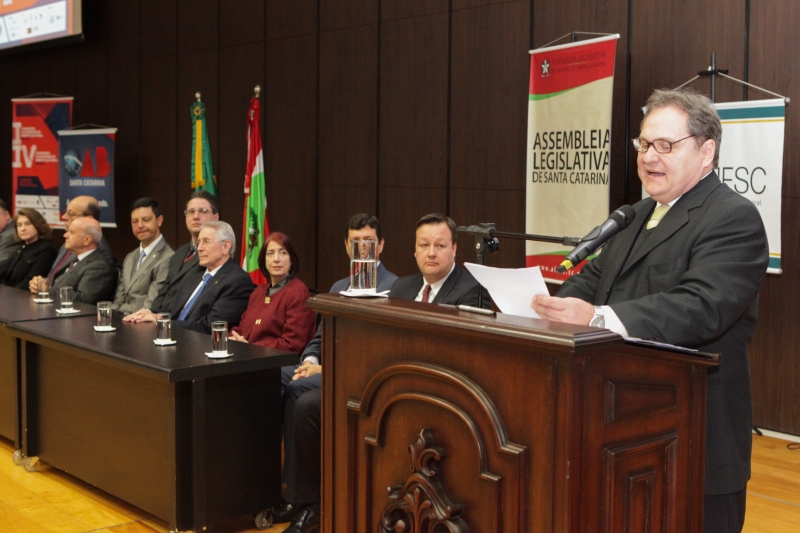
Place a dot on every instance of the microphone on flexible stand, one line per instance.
(595, 239)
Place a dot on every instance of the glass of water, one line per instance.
(363, 266)
(163, 327)
(41, 288)
(66, 295)
(219, 337)
(104, 314)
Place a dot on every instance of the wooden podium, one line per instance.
(440, 420)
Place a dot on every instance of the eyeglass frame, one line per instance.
(208, 242)
(198, 211)
(638, 140)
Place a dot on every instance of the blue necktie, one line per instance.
(141, 258)
(193, 299)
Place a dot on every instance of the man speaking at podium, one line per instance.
(687, 271)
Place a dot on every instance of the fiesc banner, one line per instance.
(86, 168)
(569, 137)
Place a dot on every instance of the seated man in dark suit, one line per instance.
(202, 207)
(88, 273)
(8, 244)
(440, 280)
(218, 292)
(80, 206)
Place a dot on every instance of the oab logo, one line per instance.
(84, 167)
(545, 68)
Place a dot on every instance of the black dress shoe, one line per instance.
(306, 521)
(284, 512)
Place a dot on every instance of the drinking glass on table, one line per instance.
(163, 327)
(41, 288)
(104, 314)
(219, 337)
(66, 295)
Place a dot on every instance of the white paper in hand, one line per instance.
(512, 289)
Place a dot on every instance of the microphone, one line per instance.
(595, 239)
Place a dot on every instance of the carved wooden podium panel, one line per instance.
(436, 420)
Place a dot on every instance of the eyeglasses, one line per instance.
(662, 146)
(208, 242)
(200, 211)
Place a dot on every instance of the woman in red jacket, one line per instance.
(276, 315)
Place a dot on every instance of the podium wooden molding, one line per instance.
(439, 420)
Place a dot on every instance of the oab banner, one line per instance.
(86, 158)
(751, 161)
(35, 123)
(569, 136)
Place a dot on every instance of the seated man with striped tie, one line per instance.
(220, 291)
(88, 273)
(145, 269)
(80, 206)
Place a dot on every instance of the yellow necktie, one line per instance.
(658, 214)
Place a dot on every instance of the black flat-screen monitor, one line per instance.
(24, 22)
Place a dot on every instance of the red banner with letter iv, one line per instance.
(569, 136)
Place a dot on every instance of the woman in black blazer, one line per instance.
(37, 253)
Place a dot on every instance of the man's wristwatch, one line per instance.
(598, 320)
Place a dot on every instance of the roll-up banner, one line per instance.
(35, 124)
(86, 159)
(569, 136)
(751, 161)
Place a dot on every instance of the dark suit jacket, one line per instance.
(92, 279)
(460, 288)
(225, 298)
(177, 271)
(386, 281)
(693, 282)
(8, 246)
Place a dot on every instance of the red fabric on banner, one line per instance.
(583, 63)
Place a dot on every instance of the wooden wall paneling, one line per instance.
(198, 25)
(693, 32)
(398, 9)
(63, 69)
(335, 14)
(552, 20)
(348, 106)
(775, 65)
(504, 208)
(36, 72)
(490, 69)
(336, 205)
(14, 69)
(289, 112)
(160, 171)
(348, 115)
(774, 360)
(400, 208)
(241, 69)
(413, 108)
(124, 111)
(159, 22)
(124, 31)
(241, 22)
(289, 18)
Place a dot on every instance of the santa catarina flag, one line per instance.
(202, 168)
(569, 136)
(255, 225)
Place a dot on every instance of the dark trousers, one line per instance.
(301, 468)
(724, 513)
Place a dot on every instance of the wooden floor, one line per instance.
(51, 501)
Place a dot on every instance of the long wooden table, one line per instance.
(17, 305)
(190, 439)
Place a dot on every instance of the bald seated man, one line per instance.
(88, 273)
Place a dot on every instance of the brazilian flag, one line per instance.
(202, 168)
